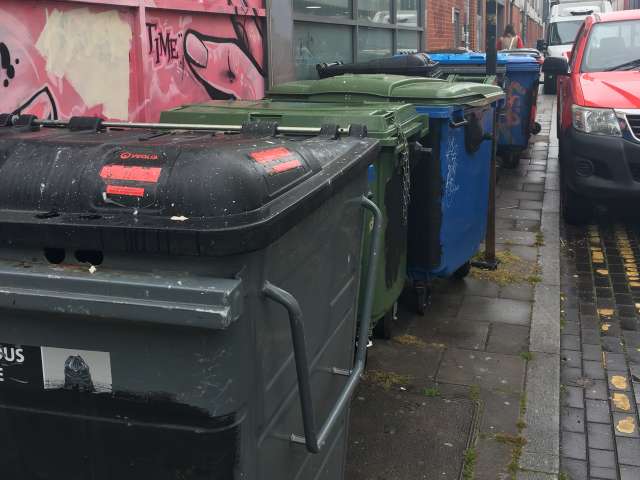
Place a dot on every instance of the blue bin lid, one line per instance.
(472, 58)
(521, 63)
(514, 63)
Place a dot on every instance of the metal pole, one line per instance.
(490, 262)
(491, 16)
(182, 126)
(490, 240)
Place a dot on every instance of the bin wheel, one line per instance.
(536, 129)
(510, 160)
(384, 327)
(423, 297)
(463, 271)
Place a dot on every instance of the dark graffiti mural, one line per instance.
(7, 65)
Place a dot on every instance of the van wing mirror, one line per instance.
(541, 45)
(556, 66)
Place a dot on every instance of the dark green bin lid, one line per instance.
(381, 119)
(379, 87)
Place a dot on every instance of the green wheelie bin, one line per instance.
(450, 186)
(399, 130)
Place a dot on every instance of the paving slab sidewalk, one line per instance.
(471, 390)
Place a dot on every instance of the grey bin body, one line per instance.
(176, 365)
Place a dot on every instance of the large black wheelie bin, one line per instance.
(180, 305)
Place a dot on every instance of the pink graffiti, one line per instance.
(180, 52)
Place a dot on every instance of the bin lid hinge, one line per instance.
(260, 128)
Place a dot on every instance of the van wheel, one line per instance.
(576, 209)
(550, 86)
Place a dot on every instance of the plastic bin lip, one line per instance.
(512, 61)
(415, 90)
(474, 58)
(381, 118)
(377, 84)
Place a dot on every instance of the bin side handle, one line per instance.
(459, 124)
(313, 439)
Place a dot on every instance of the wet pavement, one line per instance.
(446, 397)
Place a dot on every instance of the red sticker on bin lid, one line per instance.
(126, 191)
(264, 156)
(139, 174)
(283, 167)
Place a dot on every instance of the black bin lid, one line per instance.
(171, 192)
(418, 64)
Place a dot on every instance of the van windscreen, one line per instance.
(563, 33)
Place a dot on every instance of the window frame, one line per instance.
(356, 23)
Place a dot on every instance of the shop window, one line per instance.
(315, 43)
(408, 41)
(325, 8)
(374, 43)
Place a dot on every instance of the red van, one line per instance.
(599, 114)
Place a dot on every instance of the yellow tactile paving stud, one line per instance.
(621, 401)
(606, 312)
(626, 425)
(619, 382)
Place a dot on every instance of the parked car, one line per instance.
(564, 22)
(599, 114)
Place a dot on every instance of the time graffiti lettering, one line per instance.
(162, 45)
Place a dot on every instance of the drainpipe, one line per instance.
(467, 28)
(525, 21)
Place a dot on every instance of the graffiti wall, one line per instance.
(124, 59)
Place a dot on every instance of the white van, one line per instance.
(564, 22)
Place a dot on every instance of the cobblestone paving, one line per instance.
(600, 372)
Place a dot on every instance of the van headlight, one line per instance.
(597, 121)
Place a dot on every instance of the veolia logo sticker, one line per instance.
(50, 368)
(132, 176)
(138, 156)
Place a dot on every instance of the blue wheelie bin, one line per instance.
(518, 120)
(450, 177)
(468, 67)
(519, 76)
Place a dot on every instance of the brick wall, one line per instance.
(440, 25)
(516, 20)
(535, 34)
